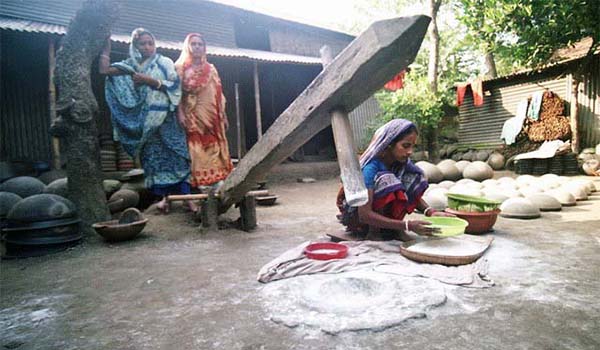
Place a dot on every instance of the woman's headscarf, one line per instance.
(384, 136)
(185, 58)
(134, 53)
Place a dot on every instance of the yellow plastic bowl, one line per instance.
(448, 226)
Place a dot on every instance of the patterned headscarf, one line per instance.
(384, 136)
(185, 58)
(134, 53)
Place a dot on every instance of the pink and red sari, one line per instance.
(202, 109)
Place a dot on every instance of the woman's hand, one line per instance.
(422, 228)
(143, 79)
(106, 49)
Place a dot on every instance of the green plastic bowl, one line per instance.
(448, 226)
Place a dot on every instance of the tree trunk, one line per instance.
(78, 109)
(490, 64)
(432, 73)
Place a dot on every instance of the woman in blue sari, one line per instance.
(142, 93)
(395, 187)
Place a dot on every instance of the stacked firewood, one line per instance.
(552, 124)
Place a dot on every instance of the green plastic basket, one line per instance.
(464, 202)
(449, 226)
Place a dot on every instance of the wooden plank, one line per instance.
(355, 191)
(371, 60)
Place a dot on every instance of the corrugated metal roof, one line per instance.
(169, 19)
(234, 53)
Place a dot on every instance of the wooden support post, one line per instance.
(355, 191)
(259, 130)
(52, 102)
(210, 211)
(248, 213)
(363, 67)
(238, 121)
(574, 111)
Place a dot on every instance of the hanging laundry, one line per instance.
(461, 89)
(396, 83)
(512, 127)
(477, 88)
(533, 112)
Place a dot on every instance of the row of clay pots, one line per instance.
(523, 197)
(27, 186)
(450, 170)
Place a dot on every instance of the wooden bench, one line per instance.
(209, 209)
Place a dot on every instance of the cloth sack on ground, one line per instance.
(548, 149)
(377, 256)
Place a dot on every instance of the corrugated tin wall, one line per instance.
(24, 114)
(360, 118)
(481, 127)
(589, 107)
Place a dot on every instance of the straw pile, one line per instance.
(552, 124)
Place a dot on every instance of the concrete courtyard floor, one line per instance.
(178, 287)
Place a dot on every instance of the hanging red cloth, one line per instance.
(396, 83)
(461, 89)
(477, 88)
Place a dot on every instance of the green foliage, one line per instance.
(542, 26)
(525, 33)
(414, 102)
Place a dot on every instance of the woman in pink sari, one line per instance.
(202, 114)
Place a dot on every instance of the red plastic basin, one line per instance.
(326, 251)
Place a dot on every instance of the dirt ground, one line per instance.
(180, 287)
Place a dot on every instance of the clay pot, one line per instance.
(59, 187)
(23, 186)
(131, 223)
(478, 171)
(432, 173)
(449, 170)
(479, 222)
(496, 161)
(7, 201)
(519, 208)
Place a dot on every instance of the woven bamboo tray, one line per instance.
(451, 260)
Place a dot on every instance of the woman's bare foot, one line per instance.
(163, 206)
(193, 207)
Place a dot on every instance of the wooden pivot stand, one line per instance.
(209, 211)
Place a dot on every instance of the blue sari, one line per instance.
(144, 122)
(396, 191)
